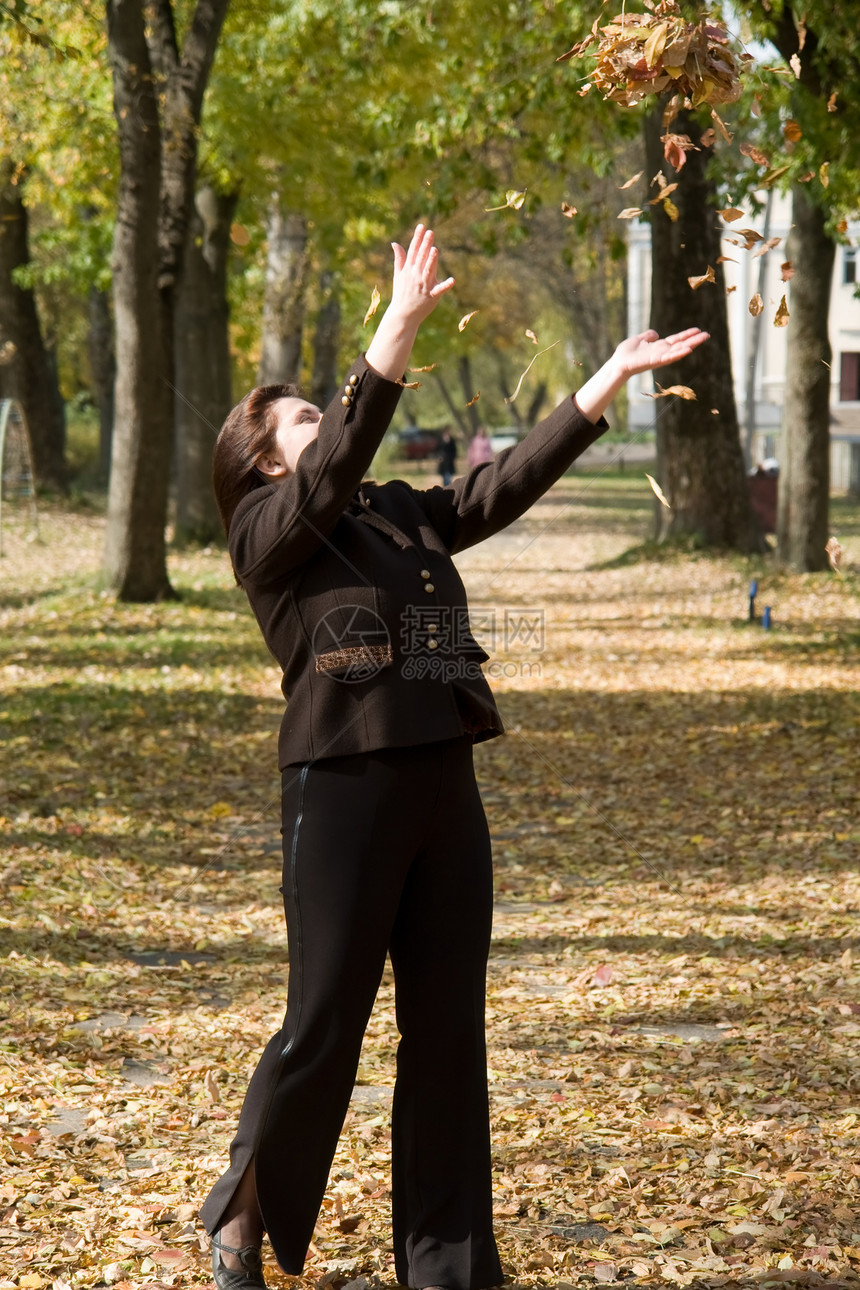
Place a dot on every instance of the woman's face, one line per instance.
(298, 425)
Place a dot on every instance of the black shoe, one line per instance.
(251, 1275)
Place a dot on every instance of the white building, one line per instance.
(758, 347)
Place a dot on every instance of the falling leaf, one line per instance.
(835, 553)
(831, 102)
(428, 367)
(772, 176)
(473, 400)
(628, 183)
(725, 259)
(792, 131)
(730, 214)
(671, 209)
(658, 491)
(755, 154)
(709, 137)
(239, 236)
(408, 385)
(767, 246)
(514, 199)
(756, 305)
(729, 290)
(782, 315)
(824, 174)
(630, 212)
(663, 194)
(702, 278)
(721, 125)
(529, 368)
(842, 226)
(682, 391)
(567, 210)
(373, 306)
(532, 337)
(675, 149)
(794, 64)
(466, 319)
(786, 270)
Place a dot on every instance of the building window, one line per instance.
(849, 378)
(849, 265)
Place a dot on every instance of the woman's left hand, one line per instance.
(649, 350)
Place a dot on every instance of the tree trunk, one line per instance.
(135, 551)
(700, 464)
(804, 467)
(202, 363)
(325, 379)
(284, 302)
(29, 373)
(102, 372)
(158, 98)
(456, 412)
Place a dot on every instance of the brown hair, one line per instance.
(248, 432)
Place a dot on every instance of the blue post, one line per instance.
(765, 618)
(753, 593)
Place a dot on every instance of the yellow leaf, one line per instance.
(465, 320)
(658, 491)
(373, 306)
(219, 809)
(702, 278)
(782, 314)
(30, 1281)
(682, 391)
(529, 368)
(671, 209)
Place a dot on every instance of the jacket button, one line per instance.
(425, 573)
(366, 501)
(353, 379)
(429, 588)
(432, 644)
(433, 629)
(346, 400)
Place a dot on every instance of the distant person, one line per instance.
(447, 460)
(386, 845)
(480, 449)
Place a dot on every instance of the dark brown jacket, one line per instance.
(354, 587)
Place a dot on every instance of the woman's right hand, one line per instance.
(414, 295)
(416, 291)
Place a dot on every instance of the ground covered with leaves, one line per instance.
(674, 1014)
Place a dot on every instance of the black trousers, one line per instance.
(383, 852)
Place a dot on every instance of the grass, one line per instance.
(673, 1017)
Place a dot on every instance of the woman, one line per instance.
(386, 848)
